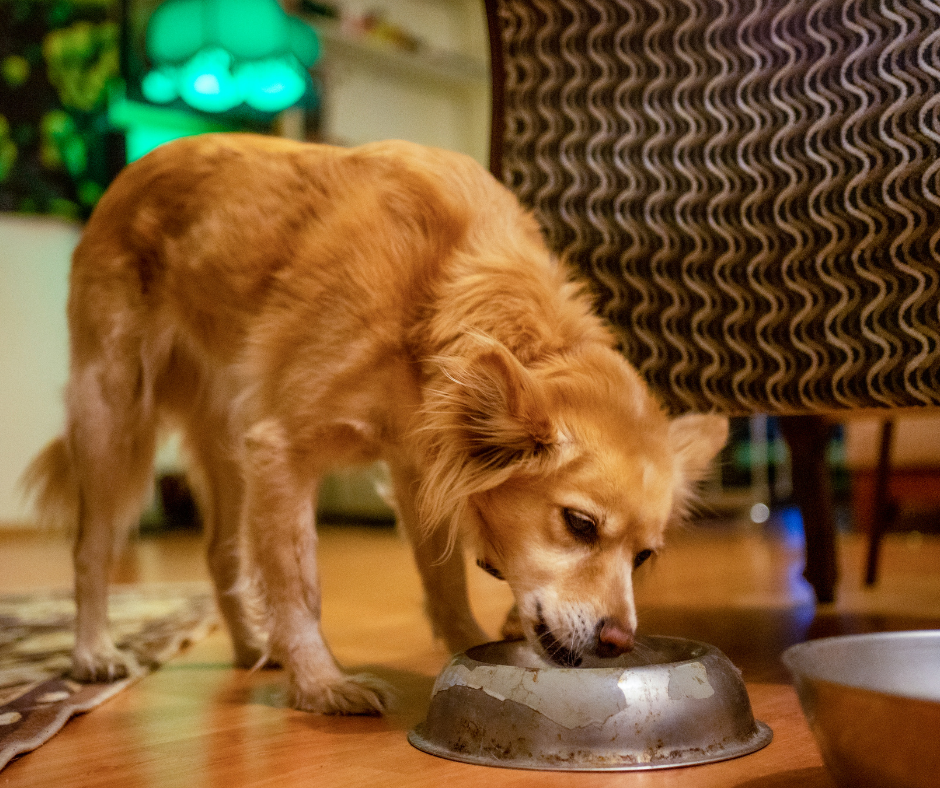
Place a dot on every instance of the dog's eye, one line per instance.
(490, 569)
(582, 526)
(641, 558)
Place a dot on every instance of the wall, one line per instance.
(916, 441)
(34, 261)
(439, 96)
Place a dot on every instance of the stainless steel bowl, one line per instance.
(873, 704)
(670, 702)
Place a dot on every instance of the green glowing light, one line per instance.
(216, 54)
(206, 81)
(270, 85)
(175, 31)
(159, 86)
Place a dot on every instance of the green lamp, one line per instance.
(217, 54)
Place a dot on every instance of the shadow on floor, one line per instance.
(754, 639)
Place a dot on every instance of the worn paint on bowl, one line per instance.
(670, 702)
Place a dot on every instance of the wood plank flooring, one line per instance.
(198, 722)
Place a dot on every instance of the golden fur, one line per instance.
(291, 308)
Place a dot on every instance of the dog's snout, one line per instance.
(613, 639)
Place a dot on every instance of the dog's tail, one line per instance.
(51, 483)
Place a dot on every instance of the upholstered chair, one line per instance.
(751, 187)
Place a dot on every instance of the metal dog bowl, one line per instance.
(873, 704)
(669, 702)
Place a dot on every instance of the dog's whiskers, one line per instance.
(643, 654)
(554, 649)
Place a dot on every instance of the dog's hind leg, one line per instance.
(111, 436)
(441, 567)
(280, 496)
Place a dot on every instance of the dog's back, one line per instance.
(202, 231)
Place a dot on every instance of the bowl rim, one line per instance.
(761, 736)
(793, 658)
(703, 650)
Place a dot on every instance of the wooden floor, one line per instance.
(199, 723)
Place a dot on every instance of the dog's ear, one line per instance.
(486, 416)
(697, 438)
(504, 413)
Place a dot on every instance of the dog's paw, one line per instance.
(103, 665)
(359, 694)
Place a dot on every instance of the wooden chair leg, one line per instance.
(808, 439)
(884, 510)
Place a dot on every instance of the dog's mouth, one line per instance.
(559, 654)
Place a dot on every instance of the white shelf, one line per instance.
(447, 69)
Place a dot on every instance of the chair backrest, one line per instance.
(751, 186)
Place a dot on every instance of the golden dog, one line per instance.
(294, 307)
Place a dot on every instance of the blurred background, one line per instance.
(87, 86)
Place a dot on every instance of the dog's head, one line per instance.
(566, 475)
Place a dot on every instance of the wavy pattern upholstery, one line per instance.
(751, 185)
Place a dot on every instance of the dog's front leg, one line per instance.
(441, 566)
(279, 512)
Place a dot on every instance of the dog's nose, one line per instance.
(613, 639)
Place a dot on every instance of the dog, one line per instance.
(293, 307)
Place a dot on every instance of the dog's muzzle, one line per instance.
(610, 640)
(553, 648)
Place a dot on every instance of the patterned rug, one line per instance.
(36, 696)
